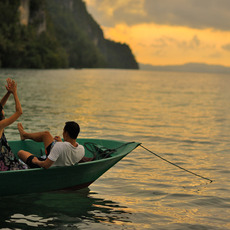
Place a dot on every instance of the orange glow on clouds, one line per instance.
(169, 45)
(164, 44)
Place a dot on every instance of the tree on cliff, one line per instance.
(21, 46)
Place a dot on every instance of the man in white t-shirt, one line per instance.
(58, 153)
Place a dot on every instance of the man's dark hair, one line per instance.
(72, 128)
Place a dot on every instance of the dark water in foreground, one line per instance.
(184, 117)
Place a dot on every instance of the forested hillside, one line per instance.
(56, 34)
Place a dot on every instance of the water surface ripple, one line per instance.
(184, 117)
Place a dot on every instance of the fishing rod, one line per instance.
(195, 174)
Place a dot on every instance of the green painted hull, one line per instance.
(58, 178)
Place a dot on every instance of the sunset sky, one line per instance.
(168, 32)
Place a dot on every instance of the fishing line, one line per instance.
(195, 174)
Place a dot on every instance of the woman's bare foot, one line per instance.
(21, 131)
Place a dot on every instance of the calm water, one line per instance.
(184, 117)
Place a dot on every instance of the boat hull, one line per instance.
(58, 178)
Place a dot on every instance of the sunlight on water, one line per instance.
(183, 117)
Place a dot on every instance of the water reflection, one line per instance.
(184, 117)
(60, 209)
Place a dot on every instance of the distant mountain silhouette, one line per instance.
(188, 67)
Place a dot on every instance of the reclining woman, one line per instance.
(8, 161)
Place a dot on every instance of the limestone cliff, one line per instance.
(24, 12)
(56, 34)
(116, 55)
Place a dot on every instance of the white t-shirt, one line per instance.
(65, 154)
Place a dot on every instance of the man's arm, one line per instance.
(44, 164)
(58, 139)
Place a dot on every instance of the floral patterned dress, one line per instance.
(8, 161)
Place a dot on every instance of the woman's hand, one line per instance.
(11, 86)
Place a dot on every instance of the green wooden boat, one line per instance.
(106, 153)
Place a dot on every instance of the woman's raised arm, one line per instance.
(12, 88)
(5, 98)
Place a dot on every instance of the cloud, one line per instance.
(216, 55)
(162, 44)
(167, 41)
(195, 42)
(168, 31)
(226, 47)
(109, 12)
(190, 13)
